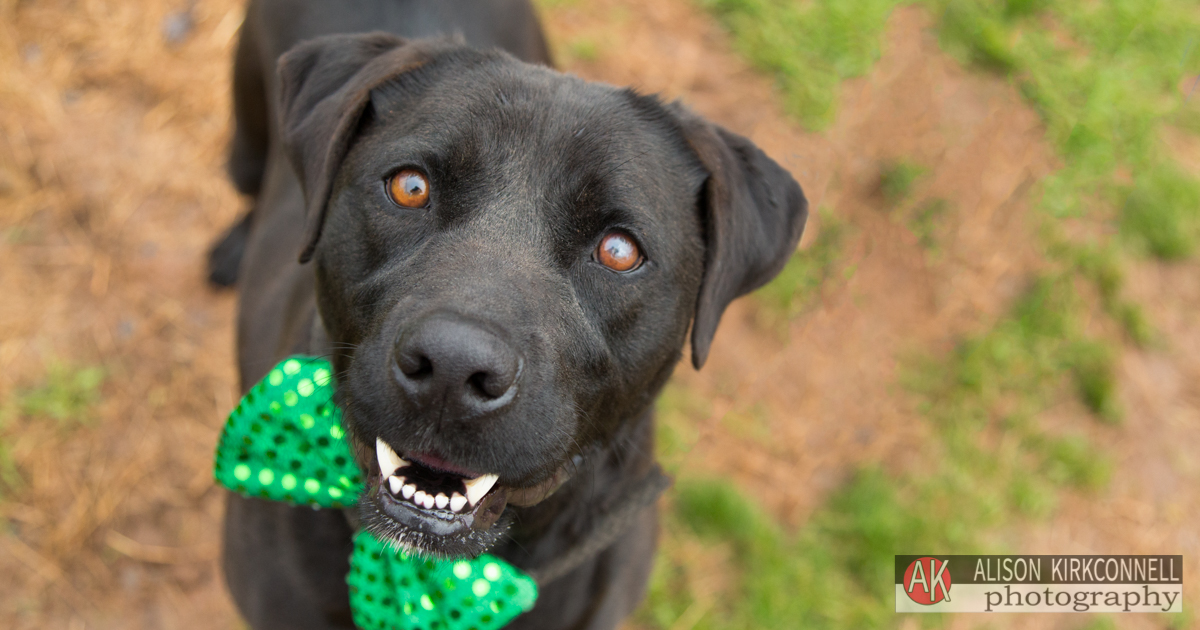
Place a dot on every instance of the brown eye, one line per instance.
(618, 252)
(408, 188)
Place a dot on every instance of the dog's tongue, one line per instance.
(439, 464)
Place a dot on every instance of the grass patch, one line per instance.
(583, 49)
(926, 221)
(677, 410)
(66, 394)
(1161, 214)
(896, 180)
(1104, 77)
(799, 283)
(808, 47)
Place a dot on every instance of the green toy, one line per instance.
(285, 442)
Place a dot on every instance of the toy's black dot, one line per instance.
(339, 460)
(280, 439)
(454, 613)
(323, 441)
(320, 474)
(296, 464)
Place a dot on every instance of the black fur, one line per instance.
(528, 170)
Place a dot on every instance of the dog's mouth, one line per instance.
(432, 507)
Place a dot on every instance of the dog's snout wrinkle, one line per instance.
(456, 369)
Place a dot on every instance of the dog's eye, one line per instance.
(618, 252)
(408, 189)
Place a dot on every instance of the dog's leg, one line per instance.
(247, 151)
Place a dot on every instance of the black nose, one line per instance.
(460, 367)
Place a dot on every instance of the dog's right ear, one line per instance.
(325, 86)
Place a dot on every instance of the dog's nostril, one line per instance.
(488, 386)
(415, 365)
(424, 368)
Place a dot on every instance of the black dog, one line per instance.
(502, 265)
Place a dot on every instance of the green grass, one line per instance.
(66, 395)
(808, 47)
(799, 283)
(1103, 75)
(897, 178)
(926, 221)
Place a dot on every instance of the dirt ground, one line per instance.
(112, 143)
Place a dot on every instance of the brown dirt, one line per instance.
(111, 188)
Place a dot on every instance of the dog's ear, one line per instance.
(754, 215)
(325, 86)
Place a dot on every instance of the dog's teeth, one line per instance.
(419, 497)
(441, 500)
(389, 461)
(395, 483)
(427, 502)
(479, 486)
(408, 490)
(457, 502)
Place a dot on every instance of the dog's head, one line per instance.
(507, 263)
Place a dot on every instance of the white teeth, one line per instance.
(479, 486)
(389, 461)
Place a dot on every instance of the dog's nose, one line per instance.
(459, 366)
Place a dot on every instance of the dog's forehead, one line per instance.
(532, 122)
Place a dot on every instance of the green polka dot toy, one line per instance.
(393, 590)
(285, 442)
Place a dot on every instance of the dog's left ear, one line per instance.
(754, 215)
(325, 86)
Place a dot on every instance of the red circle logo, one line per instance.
(927, 581)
